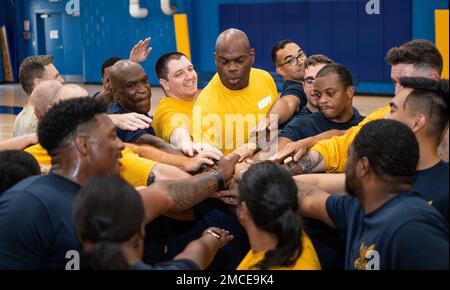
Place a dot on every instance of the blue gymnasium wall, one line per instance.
(340, 29)
(8, 17)
(106, 29)
(109, 30)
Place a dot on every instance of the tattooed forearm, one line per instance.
(309, 163)
(312, 202)
(188, 193)
(304, 190)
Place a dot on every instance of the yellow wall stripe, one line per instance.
(182, 34)
(442, 38)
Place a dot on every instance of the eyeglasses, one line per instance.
(294, 60)
(309, 81)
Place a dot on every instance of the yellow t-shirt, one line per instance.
(308, 259)
(170, 114)
(334, 150)
(223, 117)
(134, 169)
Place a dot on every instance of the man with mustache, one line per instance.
(387, 225)
(237, 96)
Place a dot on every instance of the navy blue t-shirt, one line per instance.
(303, 111)
(295, 89)
(432, 185)
(36, 223)
(314, 124)
(165, 237)
(126, 135)
(405, 231)
(183, 264)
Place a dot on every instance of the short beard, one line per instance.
(352, 186)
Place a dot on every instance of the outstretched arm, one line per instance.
(283, 108)
(177, 196)
(181, 139)
(299, 148)
(334, 184)
(203, 250)
(158, 143)
(19, 143)
(130, 121)
(312, 202)
(311, 162)
(188, 164)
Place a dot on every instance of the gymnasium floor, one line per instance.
(12, 98)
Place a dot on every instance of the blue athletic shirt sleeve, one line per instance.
(339, 209)
(295, 89)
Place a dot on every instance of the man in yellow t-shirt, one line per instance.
(135, 170)
(237, 97)
(417, 58)
(172, 117)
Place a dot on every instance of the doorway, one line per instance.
(51, 41)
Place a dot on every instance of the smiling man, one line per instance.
(179, 82)
(132, 92)
(236, 98)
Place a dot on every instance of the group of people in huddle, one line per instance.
(236, 176)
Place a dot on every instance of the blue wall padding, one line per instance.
(341, 30)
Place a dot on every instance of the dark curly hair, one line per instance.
(16, 166)
(270, 194)
(391, 148)
(64, 119)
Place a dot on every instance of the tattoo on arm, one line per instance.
(304, 190)
(188, 193)
(307, 164)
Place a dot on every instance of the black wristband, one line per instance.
(151, 179)
(220, 182)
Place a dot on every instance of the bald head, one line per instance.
(43, 95)
(234, 59)
(120, 70)
(232, 37)
(69, 92)
(130, 86)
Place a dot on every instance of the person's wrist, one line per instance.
(220, 180)
(184, 162)
(214, 234)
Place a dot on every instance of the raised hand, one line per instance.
(140, 52)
